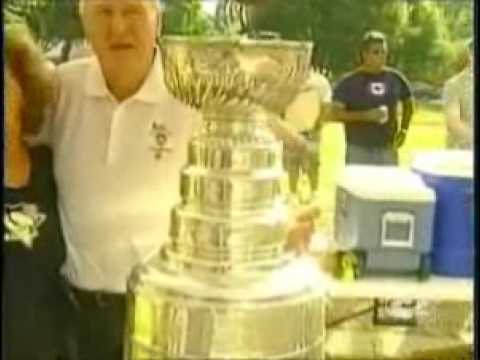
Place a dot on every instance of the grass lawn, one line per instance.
(426, 132)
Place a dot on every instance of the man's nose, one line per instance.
(118, 24)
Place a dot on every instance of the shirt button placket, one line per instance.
(116, 117)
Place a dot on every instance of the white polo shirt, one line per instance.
(303, 111)
(115, 195)
(458, 95)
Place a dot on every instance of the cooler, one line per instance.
(384, 215)
(450, 174)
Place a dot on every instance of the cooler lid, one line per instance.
(385, 183)
(448, 163)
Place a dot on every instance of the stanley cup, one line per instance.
(225, 287)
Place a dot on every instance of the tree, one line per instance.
(334, 26)
(421, 33)
(186, 17)
(51, 21)
(458, 16)
(429, 49)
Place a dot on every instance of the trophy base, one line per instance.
(174, 316)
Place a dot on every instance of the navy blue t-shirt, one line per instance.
(363, 91)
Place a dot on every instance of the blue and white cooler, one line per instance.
(384, 215)
(450, 174)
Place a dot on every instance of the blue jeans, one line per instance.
(366, 155)
(307, 162)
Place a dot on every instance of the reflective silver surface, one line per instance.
(224, 287)
(176, 316)
(211, 72)
(234, 146)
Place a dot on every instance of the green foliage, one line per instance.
(186, 17)
(458, 17)
(50, 21)
(424, 41)
(289, 18)
(422, 34)
(334, 26)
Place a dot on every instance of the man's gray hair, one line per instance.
(158, 5)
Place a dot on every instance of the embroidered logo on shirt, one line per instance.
(22, 222)
(160, 136)
(377, 88)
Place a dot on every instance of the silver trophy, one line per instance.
(225, 287)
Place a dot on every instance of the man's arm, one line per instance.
(460, 130)
(339, 113)
(325, 100)
(407, 113)
(325, 114)
(408, 107)
(288, 135)
(46, 133)
(406, 97)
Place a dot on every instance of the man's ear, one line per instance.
(159, 23)
(360, 56)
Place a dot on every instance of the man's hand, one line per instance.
(399, 138)
(301, 229)
(377, 115)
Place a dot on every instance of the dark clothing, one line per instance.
(360, 91)
(34, 305)
(309, 162)
(99, 318)
(371, 155)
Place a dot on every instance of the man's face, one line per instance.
(375, 55)
(121, 32)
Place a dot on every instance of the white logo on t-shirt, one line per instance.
(377, 88)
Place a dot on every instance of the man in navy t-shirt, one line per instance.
(366, 101)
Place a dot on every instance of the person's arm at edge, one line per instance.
(408, 106)
(408, 101)
(459, 129)
(325, 107)
(287, 134)
(46, 133)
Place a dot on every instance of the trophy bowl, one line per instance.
(237, 72)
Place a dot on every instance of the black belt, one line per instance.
(372, 147)
(91, 298)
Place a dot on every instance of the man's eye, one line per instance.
(104, 11)
(133, 11)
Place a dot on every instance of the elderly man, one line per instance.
(367, 100)
(119, 141)
(458, 105)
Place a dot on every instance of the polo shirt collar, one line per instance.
(149, 92)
